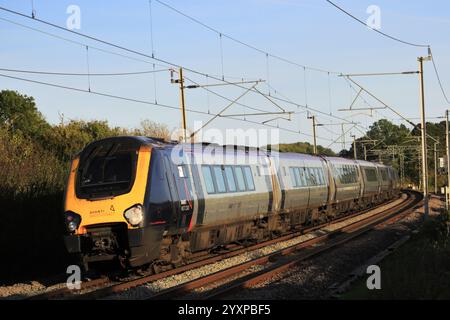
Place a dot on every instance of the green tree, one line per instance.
(303, 147)
(18, 113)
(153, 129)
(67, 139)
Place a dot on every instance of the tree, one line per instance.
(152, 129)
(384, 133)
(303, 147)
(19, 113)
(67, 139)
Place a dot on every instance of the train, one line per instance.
(141, 201)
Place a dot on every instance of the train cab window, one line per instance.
(209, 182)
(249, 178)
(239, 178)
(230, 179)
(220, 181)
(106, 169)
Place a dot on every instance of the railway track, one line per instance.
(104, 286)
(281, 261)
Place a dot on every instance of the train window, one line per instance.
(107, 170)
(305, 176)
(371, 174)
(299, 177)
(239, 178)
(302, 177)
(207, 176)
(338, 172)
(294, 177)
(249, 178)
(346, 174)
(383, 174)
(312, 177)
(323, 176)
(230, 179)
(349, 174)
(220, 181)
(319, 174)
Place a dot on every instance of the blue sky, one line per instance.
(310, 32)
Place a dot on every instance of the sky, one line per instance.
(308, 32)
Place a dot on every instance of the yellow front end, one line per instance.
(103, 226)
(108, 210)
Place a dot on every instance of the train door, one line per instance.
(276, 188)
(318, 191)
(182, 189)
(174, 220)
(331, 182)
(300, 181)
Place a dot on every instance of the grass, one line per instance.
(420, 269)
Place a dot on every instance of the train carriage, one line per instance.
(139, 200)
(371, 182)
(347, 182)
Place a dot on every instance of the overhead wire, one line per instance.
(240, 41)
(107, 74)
(143, 54)
(438, 77)
(398, 40)
(374, 29)
(145, 102)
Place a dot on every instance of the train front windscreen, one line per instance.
(106, 170)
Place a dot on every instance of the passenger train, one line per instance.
(142, 201)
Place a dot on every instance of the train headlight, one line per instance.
(72, 226)
(134, 215)
(72, 220)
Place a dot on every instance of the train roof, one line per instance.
(342, 160)
(367, 163)
(253, 151)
